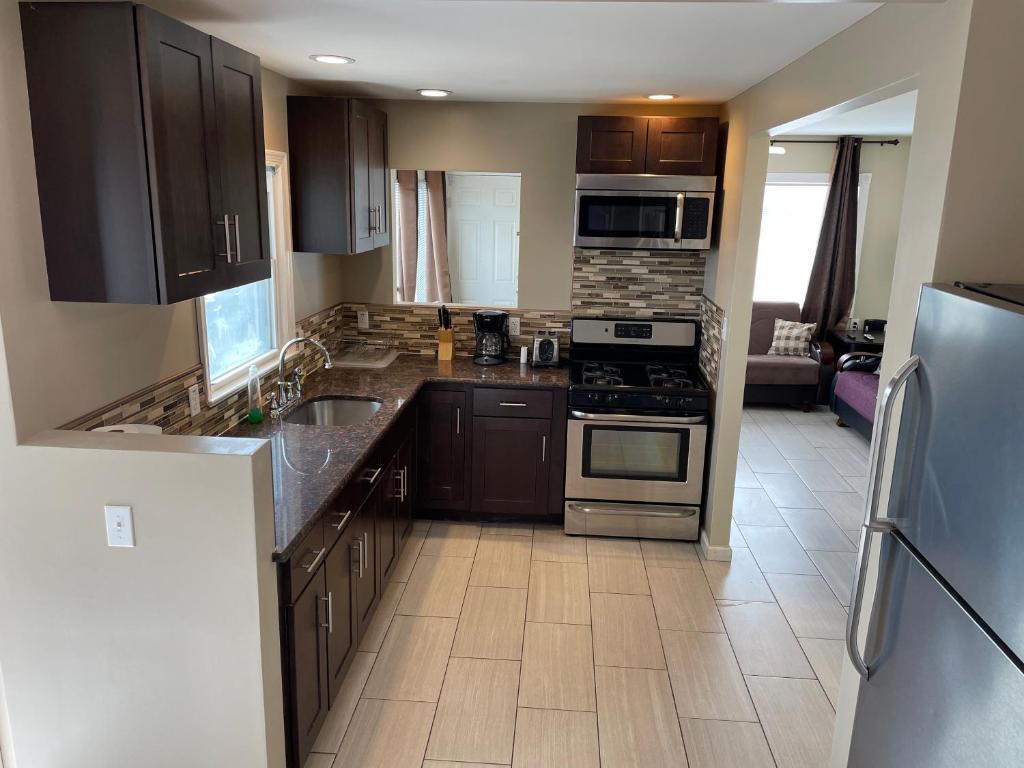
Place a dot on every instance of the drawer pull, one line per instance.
(543, 448)
(329, 626)
(512, 405)
(344, 519)
(317, 557)
(374, 474)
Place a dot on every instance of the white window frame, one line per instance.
(284, 294)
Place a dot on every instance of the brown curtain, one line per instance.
(830, 289)
(406, 240)
(439, 284)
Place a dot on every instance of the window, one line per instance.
(794, 206)
(247, 325)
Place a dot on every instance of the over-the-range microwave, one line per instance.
(644, 212)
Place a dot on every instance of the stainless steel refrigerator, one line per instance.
(943, 677)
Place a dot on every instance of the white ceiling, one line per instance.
(525, 50)
(890, 117)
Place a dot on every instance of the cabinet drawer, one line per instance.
(512, 403)
(308, 556)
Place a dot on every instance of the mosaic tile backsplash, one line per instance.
(712, 321)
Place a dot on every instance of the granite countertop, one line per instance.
(311, 464)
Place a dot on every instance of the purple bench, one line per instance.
(855, 391)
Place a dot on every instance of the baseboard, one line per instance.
(713, 553)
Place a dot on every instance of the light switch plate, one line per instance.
(514, 327)
(193, 400)
(120, 529)
(363, 319)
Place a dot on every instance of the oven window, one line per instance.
(635, 453)
(627, 216)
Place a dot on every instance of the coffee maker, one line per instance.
(492, 341)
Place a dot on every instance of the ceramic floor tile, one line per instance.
(412, 660)
(340, 714)
(813, 416)
(797, 720)
(745, 475)
(735, 536)
(737, 579)
(763, 641)
(491, 625)
(625, 631)
(548, 738)
(790, 443)
(820, 476)
(837, 569)
(558, 668)
(436, 587)
(815, 529)
(637, 724)
(458, 764)
(809, 605)
(788, 491)
(410, 551)
(507, 529)
(382, 618)
(706, 680)
(502, 561)
(751, 506)
(616, 565)
(846, 461)
(669, 554)
(559, 593)
(847, 509)
(683, 600)
(823, 435)
(776, 550)
(386, 734)
(720, 744)
(318, 760)
(765, 458)
(476, 715)
(826, 657)
(451, 540)
(752, 435)
(555, 545)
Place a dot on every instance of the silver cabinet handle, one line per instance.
(238, 242)
(356, 550)
(374, 474)
(872, 523)
(680, 200)
(373, 219)
(317, 557)
(644, 419)
(227, 238)
(512, 405)
(366, 552)
(344, 519)
(362, 560)
(543, 447)
(329, 626)
(458, 421)
(401, 483)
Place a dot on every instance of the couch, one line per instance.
(855, 391)
(784, 379)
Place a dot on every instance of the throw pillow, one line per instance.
(791, 338)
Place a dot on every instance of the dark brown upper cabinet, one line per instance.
(150, 162)
(660, 145)
(339, 175)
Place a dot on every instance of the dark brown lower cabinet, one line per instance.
(307, 633)
(341, 630)
(387, 520)
(407, 468)
(511, 465)
(365, 591)
(443, 422)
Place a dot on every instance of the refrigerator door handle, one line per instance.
(872, 523)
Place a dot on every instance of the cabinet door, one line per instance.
(611, 144)
(682, 145)
(378, 169)
(341, 636)
(407, 467)
(442, 450)
(360, 130)
(512, 460)
(365, 569)
(243, 162)
(176, 65)
(387, 521)
(307, 618)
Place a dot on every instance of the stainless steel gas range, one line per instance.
(637, 430)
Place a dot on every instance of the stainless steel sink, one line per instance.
(334, 412)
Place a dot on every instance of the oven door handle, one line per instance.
(635, 510)
(644, 419)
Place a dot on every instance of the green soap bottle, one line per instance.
(255, 398)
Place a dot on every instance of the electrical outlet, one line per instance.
(514, 328)
(120, 530)
(193, 400)
(363, 319)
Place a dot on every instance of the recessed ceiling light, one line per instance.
(330, 58)
(433, 93)
(661, 97)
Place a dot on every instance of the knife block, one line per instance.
(445, 343)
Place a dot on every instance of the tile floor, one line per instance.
(514, 645)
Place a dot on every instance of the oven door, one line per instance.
(648, 459)
(643, 220)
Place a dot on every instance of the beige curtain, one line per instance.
(406, 240)
(439, 283)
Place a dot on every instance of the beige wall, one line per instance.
(888, 168)
(537, 140)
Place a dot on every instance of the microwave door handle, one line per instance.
(679, 216)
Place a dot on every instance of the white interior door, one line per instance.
(483, 237)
